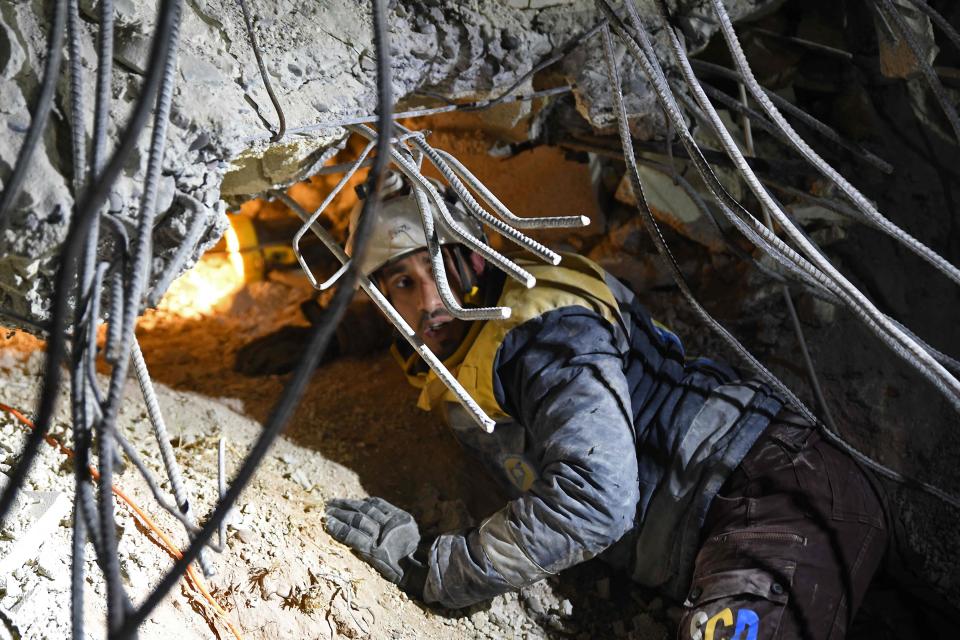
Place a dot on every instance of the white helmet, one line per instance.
(398, 228)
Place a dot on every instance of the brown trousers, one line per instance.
(790, 543)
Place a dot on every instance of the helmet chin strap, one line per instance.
(468, 279)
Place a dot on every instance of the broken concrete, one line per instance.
(38, 515)
(320, 60)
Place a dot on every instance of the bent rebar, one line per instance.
(866, 460)
(101, 108)
(546, 222)
(937, 18)
(184, 251)
(759, 234)
(252, 34)
(162, 437)
(915, 355)
(283, 409)
(854, 300)
(78, 142)
(702, 66)
(440, 269)
(653, 228)
(93, 198)
(316, 216)
(395, 319)
(851, 192)
(926, 69)
(494, 257)
(479, 212)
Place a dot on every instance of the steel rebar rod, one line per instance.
(80, 401)
(101, 108)
(490, 254)
(889, 473)
(322, 286)
(78, 147)
(222, 486)
(827, 132)
(653, 228)
(851, 192)
(886, 330)
(420, 113)
(397, 320)
(291, 394)
(858, 303)
(545, 222)
(139, 273)
(557, 55)
(926, 69)
(162, 437)
(938, 19)
(844, 294)
(819, 47)
(749, 225)
(518, 238)
(111, 350)
(854, 300)
(252, 35)
(78, 232)
(784, 288)
(440, 270)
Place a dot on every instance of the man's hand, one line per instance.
(381, 534)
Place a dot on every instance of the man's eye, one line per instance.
(402, 283)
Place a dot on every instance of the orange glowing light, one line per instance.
(215, 277)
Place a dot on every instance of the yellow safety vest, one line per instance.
(577, 281)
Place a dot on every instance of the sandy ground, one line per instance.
(282, 576)
(356, 433)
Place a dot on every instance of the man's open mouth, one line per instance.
(437, 325)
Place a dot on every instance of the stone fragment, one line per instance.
(896, 58)
(40, 515)
(816, 312)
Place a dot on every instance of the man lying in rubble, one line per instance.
(611, 440)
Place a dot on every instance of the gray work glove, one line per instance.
(382, 535)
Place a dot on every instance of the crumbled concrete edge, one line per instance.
(218, 139)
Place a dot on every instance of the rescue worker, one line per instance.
(611, 440)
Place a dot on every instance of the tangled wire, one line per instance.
(83, 273)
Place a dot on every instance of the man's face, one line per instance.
(409, 284)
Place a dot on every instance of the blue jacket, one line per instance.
(606, 435)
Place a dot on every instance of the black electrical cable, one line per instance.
(283, 409)
(38, 119)
(252, 34)
(94, 197)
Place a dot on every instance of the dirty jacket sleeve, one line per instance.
(560, 375)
